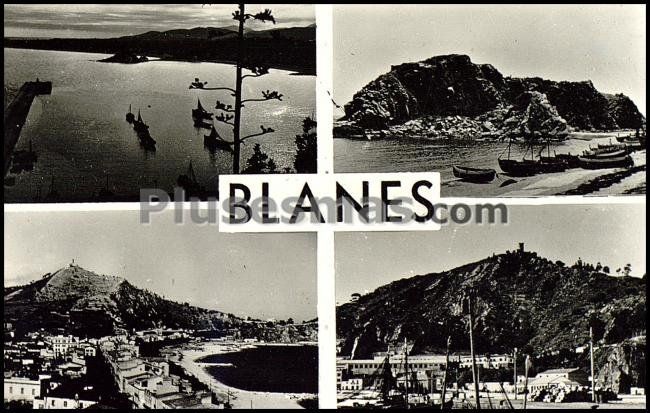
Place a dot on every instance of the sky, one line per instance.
(258, 275)
(613, 235)
(603, 43)
(113, 20)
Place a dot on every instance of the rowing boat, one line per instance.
(476, 175)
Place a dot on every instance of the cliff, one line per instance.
(452, 85)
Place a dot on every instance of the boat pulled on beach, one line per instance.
(624, 161)
(475, 175)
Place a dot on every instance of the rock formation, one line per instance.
(452, 85)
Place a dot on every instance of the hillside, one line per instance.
(292, 48)
(522, 300)
(81, 302)
(452, 94)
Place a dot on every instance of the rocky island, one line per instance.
(124, 57)
(451, 97)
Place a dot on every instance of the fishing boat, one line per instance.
(189, 183)
(139, 126)
(197, 84)
(603, 155)
(201, 123)
(147, 142)
(130, 117)
(549, 164)
(599, 150)
(523, 167)
(200, 112)
(142, 130)
(624, 161)
(627, 139)
(215, 141)
(475, 175)
(611, 146)
(571, 160)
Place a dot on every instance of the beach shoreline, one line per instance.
(576, 181)
(243, 399)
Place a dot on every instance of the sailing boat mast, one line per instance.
(406, 370)
(444, 376)
(591, 356)
(471, 348)
(190, 172)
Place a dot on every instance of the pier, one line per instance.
(16, 114)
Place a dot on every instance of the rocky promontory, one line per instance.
(451, 95)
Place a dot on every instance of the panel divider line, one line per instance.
(325, 252)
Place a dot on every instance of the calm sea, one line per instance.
(80, 135)
(278, 369)
(421, 155)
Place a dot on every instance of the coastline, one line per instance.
(577, 181)
(296, 70)
(599, 182)
(243, 399)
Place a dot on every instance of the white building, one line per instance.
(62, 345)
(497, 361)
(22, 388)
(352, 384)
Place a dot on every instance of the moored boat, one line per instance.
(611, 146)
(626, 139)
(197, 84)
(476, 175)
(603, 155)
(624, 161)
(139, 126)
(200, 112)
(201, 123)
(525, 167)
(571, 160)
(146, 141)
(214, 141)
(130, 117)
(549, 164)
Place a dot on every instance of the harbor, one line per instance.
(16, 114)
(189, 356)
(82, 138)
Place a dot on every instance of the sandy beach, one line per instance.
(559, 182)
(242, 399)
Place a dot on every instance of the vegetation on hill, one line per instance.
(291, 48)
